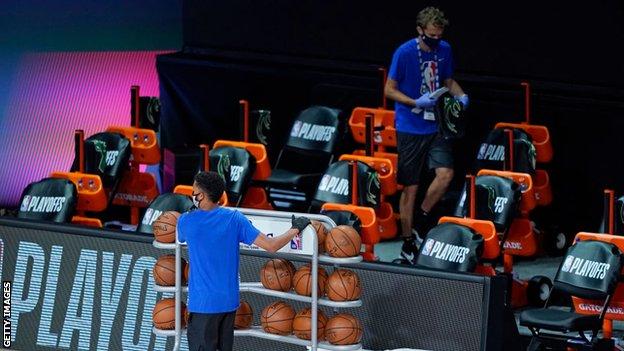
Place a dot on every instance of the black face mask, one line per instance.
(431, 42)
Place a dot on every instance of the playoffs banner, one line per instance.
(82, 293)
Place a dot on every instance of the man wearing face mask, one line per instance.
(213, 234)
(419, 67)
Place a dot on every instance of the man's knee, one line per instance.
(445, 175)
(410, 190)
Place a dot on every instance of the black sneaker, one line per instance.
(409, 250)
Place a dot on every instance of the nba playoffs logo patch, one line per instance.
(25, 202)
(296, 128)
(295, 243)
(428, 246)
(567, 264)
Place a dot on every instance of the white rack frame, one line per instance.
(256, 287)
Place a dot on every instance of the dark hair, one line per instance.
(212, 184)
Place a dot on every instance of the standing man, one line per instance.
(213, 234)
(419, 67)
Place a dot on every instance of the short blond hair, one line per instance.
(431, 15)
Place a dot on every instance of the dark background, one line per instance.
(284, 56)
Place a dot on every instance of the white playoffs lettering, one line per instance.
(42, 204)
(585, 268)
(445, 251)
(499, 204)
(312, 132)
(111, 157)
(334, 185)
(235, 173)
(150, 216)
(491, 152)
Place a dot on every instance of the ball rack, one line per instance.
(308, 252)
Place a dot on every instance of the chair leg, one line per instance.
(535, 345)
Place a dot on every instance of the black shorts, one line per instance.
(414, 149)
(210, 331)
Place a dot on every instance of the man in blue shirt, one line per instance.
(419, 67)
(213, 234)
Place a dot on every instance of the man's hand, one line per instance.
(300, 223)
(425, 101)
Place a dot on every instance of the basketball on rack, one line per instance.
(321, 233)
(343, 241)
(277, 318)
(302, 324)
(343, 285)
(276, 274)
(164, 270)
(163, 314)
(164, 227)
(302, 281)
(244, 316)
(343, 329)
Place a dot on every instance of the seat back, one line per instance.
(50, 199)
(492, 152)
(497, 200)
(590, 269)
(336, 185)
(236, 166)
(314, 134)
(451, 247)
(106, 155)
(164, 202)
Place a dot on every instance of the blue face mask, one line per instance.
(431, 42)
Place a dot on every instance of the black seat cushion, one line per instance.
(560, 320)
(286, 177)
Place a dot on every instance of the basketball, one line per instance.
(187, 268)
(321, 233)
(343, 241)
(302, 281)
(343, 329)
(244, 316)
(163, 314)
(164, 227)
(276, 274)
(277, 318)
(302, 324)
(343, 285)
(164, 270)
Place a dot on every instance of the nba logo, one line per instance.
(428, 246)
(147, 219)
(296, 128)
(295, 243)
(25, 202)
(567, 264)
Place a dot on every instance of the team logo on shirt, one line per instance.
(430, 71)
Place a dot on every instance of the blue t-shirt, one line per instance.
(406, 71)
(213, 239)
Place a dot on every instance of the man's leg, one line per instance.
(406, 209)
(226, 331)
(437, 188)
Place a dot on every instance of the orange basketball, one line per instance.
(277, 318)
(163, 314)
(302, 324)
(244, 316)
(187, 268)
(302, 281)
(276, 274)
(343, 241)
(343, 329)
(343, 285)
(321, 233)
(164, 227)
(164, 270)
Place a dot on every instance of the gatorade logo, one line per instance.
(334, 185)
(444, 251)
(235, 173)
(42, 204)
(312, 132)
(499, 204)
(491, 152)
(512, 245)
(150, 216)
(111, 157)
(585, 268)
